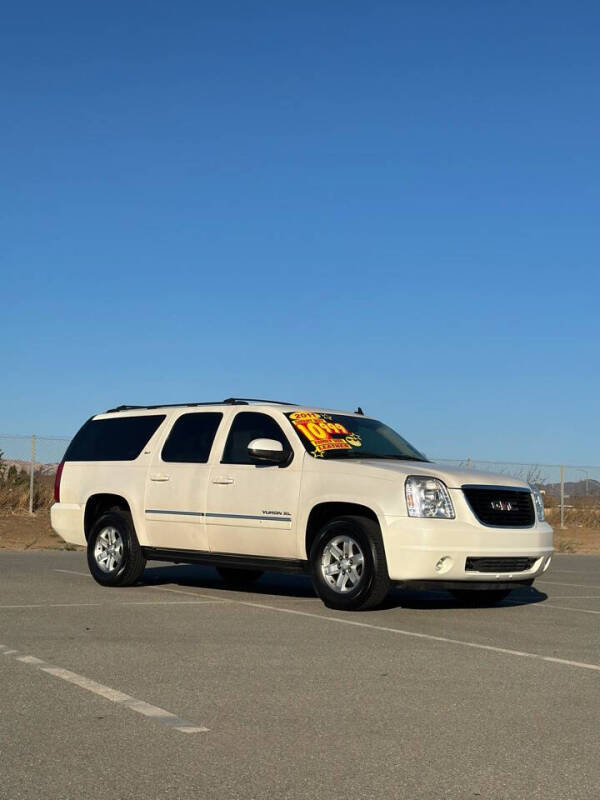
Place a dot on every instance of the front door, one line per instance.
(177, 482)
(252, 506)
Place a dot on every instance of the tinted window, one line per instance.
(113, 439)
(191, 438)
(246, 426)
(340, 436)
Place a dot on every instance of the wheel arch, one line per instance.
(326, 510)
(98, 504)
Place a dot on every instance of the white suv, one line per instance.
(252, 486)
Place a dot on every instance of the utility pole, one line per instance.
(562, 498)
(31, 470)
(587, 479)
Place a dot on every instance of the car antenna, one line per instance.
(360, 411)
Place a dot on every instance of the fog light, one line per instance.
(444, 564)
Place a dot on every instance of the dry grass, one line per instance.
(577, 540)
(580, 516)
(14, 491)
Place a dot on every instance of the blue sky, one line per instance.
(389, 204)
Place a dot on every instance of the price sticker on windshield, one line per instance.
(323, 432)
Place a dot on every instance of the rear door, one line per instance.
(252, 506)
(177, 482)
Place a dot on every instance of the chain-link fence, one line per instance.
(27, 468)
(571, 493)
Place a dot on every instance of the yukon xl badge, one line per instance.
(502, 505)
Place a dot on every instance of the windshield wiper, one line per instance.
(398, 458)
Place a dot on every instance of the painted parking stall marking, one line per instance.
(400, 632)
(431, 637)
(199, 602)
(113, 695)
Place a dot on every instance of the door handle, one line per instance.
(159, 476)
(223, 480)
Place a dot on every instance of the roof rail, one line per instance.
(165, 405)
(233, 401)
(246, 400)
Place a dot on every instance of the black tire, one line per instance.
(239, 577)
(480, 597)
(131, 563)
(373, 582)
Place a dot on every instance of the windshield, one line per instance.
(340, 436)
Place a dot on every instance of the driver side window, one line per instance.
(246, 426)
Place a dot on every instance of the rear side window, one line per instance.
(191, 438)
(113, 439)
(246, 426)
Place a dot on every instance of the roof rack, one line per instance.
(162, 405)
(232, 401)
(247, 400)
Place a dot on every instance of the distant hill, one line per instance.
(584, 488)
(25, 466)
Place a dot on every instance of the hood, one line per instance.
(453, 477)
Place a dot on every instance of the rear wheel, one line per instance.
(480, 597)
(348, 566)
(114, 554)
(239, 577)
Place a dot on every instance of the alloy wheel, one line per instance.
(342, 564)
(108, 550)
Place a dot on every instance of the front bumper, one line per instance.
(437, 550)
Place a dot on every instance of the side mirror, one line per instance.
(267, 450)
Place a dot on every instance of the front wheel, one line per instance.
(114, 554)
(480, 597)
(348, 565)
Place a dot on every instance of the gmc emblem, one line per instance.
(502, 505)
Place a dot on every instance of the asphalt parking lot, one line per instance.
(182, 688)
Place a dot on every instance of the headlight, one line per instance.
(539, 503)
(428, 497)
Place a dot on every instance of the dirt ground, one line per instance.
(22, 531)
(577, 540)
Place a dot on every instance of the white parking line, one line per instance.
(191, 594)
(158, 588)
(559, 583)
(430, 637)
(50, 605)
(140, 706)
(571, 572)
(545, 605)
(567, 608)
(72, 572)
(575, 597)
(200, 602)
(413, 634)
(549, 604)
